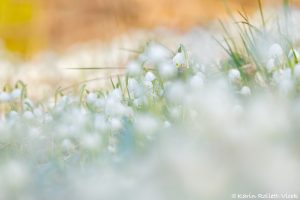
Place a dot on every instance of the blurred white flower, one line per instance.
(297, 70)
(271, 65)
(16, 93)
(134, 68)
(246, 91)
(167, 70)
(196, 81)
(234, 75)
(5, 97)
(179, 59)
(275, 51)
(90, 141)
(157, 53)
(150, 76)
(91, 98)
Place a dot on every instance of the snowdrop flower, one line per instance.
(275, 51)
(149, 76)
(134, 68)
(179, 59)
(234, 75)
(91, 98)
(246, 91)
(5, 97)
(167, 70)
(16, 93)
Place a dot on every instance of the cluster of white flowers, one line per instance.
(171, 128)
(10, 96)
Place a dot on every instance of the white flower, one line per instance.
(146, 124)
(100, 122)
(67, 145)
(91, 98)
(157, 53)
(246, 91)
(149, 76)
(134, 69)
(234, 75)
(176, 92)
(115, 124)
(90, 141)
(16, 93)
(134, 88)
(28, 115)
(271, 65)
(179, 59)
(5, 97)
(15, 174)
(196, 81)
(167, 70)
(297, 70)
(116, 94)
(275, 51)
(283, 79)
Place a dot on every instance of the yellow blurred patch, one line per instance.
(17, 26)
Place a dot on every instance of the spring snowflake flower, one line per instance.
(146, 124)
(284, 80)
(167, 70)
(271, 65)
(15, 174)
(297, 71)
(100, 123)
(176, 92)
(150, 76)
(234, 75)
(67, 145)
(16, 93)
(157, 53)
(90, 141)
(179, 59)
(197, 81)
(91, 98)
(246, 91)
(115, 124)
(5, 97)
(134, 68)
(275, 51)
(134, 88)
(28, 115)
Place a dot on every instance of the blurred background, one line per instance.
(30, 26)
